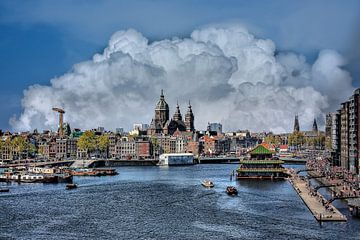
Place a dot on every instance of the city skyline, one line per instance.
(118, 86)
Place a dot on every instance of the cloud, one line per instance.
(229, 75)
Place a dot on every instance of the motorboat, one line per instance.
(207, 183)
(231, 190)
(71, 186)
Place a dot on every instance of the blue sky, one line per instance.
(40, 40)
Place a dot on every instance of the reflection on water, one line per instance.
(163, 203)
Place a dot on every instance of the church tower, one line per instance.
(162, 110)
(296, 124)
(315, 127)
(189, 120)
(177, 115)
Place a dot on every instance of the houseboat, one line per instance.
(24, 176)
(59, 173)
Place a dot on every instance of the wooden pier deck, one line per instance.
(315, 201)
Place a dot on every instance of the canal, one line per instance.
(164, 203)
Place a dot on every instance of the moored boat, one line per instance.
(4, 190)
(207, 183)
(84, 172)
(231, 190)
(105, 171)
(92, 172)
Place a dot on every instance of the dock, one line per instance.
(321, 209)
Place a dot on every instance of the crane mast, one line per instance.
(61, 121)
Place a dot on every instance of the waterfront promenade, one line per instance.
(321, 209)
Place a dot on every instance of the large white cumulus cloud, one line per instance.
(229, 75)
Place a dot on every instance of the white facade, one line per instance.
(176, 159)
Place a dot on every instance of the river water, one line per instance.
(164, 203)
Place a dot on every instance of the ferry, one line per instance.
(207, 183)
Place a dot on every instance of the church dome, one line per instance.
(162, 105)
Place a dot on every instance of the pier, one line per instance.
(321, 209)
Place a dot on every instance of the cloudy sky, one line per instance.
(247, 64)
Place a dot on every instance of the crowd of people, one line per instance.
(346, 183)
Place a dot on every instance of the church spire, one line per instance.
(177, 115)
(315, 127)
(296, 124)
(162, 94)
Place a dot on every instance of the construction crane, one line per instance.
(61, 121)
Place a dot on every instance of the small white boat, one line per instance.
(207, 183)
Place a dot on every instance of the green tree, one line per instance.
(103, 143)
(296, 139)
(87, 142)
(19, 145)
(31, 149)
(8, 144)
(155, 145)
(273, 139)
(328, 144)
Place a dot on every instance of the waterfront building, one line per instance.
(193, 147)
(71, 147)
(167, 144)
(354, 137)
(335, 138)
(112, 145)
(261, 165)
(126, 149)
(344, 135)
(180, 144)
(61, 148)
(210, 145)
(176, 159)
(143, 149)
